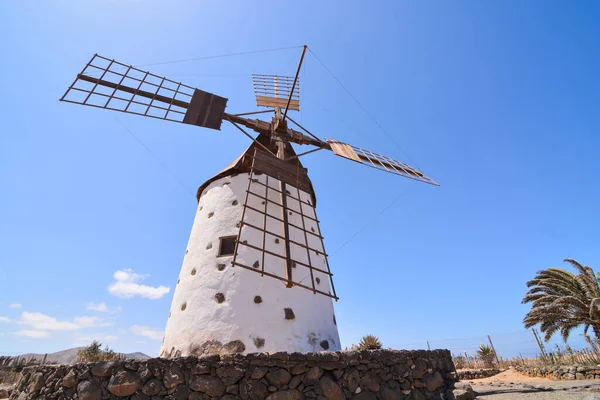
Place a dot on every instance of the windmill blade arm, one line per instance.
(377, 161)
(133, 91)
(254, 124)
(127, 89)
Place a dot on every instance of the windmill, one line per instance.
(255, 275)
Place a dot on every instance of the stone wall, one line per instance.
(380, 374)
(468, 374)
(561, 372)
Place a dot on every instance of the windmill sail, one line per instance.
(279, 235)
(109, 84)
(378, 161)
(275, 90)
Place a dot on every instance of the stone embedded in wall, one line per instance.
(289, 313)
(219, 297)
(383, 374)
(209, 246)
(257, 299)
(259, 342)
(220, 267)
(194, 271)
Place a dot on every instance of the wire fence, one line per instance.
(523, 347)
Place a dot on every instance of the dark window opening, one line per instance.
(226, 246)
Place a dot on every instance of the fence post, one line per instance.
(537, 339)
(494, 350)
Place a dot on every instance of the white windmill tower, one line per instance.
(255, 275)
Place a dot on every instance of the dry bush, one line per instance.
(94, 353)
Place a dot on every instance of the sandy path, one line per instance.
(510, 385)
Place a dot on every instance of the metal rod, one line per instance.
(304, 129)
(115, 89)
(277, 204)
(294, 85)
(254, 112)
(96, 85)
(250, 136)
(312, 279)
(277, 190)
(251, 246)
(284, 279)
(303, 154)
(75, 81)
(286, 234)
(237, 241)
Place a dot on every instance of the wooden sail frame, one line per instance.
(272, 255)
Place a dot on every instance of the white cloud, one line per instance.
(15, 305)
(41, 321)
(127, 285)
(151, 333)
(100, 307)
(116, 310)
(90, 322)
(32, 333)
(4, 319)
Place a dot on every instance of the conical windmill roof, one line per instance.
(243, 163)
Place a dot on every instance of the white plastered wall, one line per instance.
(199, 324)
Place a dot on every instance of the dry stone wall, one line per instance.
(467, 374)
(561, 372)
(366, 375)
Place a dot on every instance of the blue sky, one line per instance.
(497, 101)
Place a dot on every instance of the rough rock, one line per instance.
(460, 394)
(259, 372)
(124, 383)
(370, 382)
(256, 390)
(173, 376)
(278, 378)
(152, 387)
(331, 390)
(103, 368)
(286, 395)
(70, 380)
(230, 374)
(89, 390)
(312, 376)
(432, 381)
(211, 385)
(365, 396)
(36, 383)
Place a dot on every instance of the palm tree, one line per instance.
(562, 301)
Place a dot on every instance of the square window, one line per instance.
(226, 246)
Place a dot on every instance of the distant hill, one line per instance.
(68, 356)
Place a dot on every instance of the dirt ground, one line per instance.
(510, 385)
